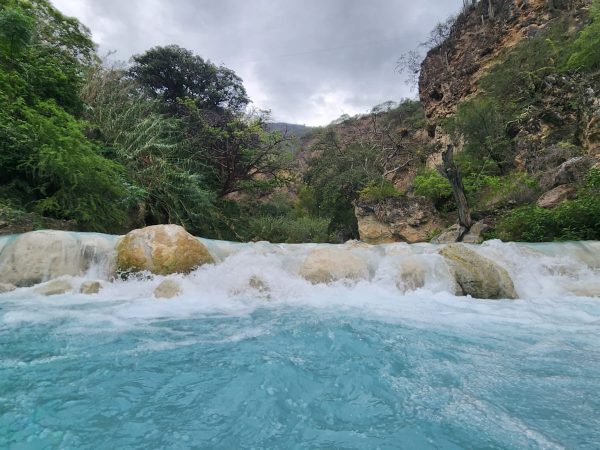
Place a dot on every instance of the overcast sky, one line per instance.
(308, 61)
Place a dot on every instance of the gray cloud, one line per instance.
(308, 61)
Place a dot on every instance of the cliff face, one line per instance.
(450, 72)
(527, 128)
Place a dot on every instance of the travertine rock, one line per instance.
(478, 276)
(167, 289)
(162, 250)
(325, 265)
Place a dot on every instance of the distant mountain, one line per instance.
(289, 128)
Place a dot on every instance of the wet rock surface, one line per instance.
(167, 289)
(162, 250)
(54, 287)
(478, 276)
(90, 287)
(325, 265)
(39, 256)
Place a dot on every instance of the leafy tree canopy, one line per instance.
(173, 73)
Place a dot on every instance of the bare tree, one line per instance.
(409, 63)
(451, 171)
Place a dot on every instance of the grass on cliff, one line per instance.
(585, 51)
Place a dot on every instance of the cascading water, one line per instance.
(252, 355)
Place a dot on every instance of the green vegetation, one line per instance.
(571, 220)
(360, 160)
(170, 139)
(431, 184)
(290, 230)
(521, 91)
(483, 127)
(49, 165)
(586, 49)
(166, 140)
(379, 191)
(517, 80)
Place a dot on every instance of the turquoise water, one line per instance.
(355, 369)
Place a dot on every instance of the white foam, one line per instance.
(549, 278)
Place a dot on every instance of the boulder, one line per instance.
(98, 252)
(448, 236)
(475, 234)
(167, 289)
(258, 284)
(373, 231)
(556, 196)
(6, 287)
(572, 171)
(90, 287)
(39, 256)
(162, 250)
(452, 234)
(585, 289)
(258, 287)
(396, 219)
(54, 287)
(325, 265)
(478, 276)
(411, 275)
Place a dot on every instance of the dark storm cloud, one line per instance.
(309, 61)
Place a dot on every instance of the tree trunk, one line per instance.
(452, 173)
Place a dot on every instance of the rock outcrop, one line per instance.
(162, 250)
(326, 265)
(5, 287)
(90, 287)
(398, 219)
(54, 287)
(167, 289)
(556, 196)
(478, 276)
(452, 234)
(39, 256)
(450, 71)
(572, 171)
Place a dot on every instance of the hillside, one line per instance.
(512, 86)
(511, 89)
(291, 129)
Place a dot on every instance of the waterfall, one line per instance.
(537, 270)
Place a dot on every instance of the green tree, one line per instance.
(149, 144)
(173, 73)
(48, 163)
(234, 152)
(481, 124)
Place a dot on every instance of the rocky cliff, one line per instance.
(450, 71)
(500, 86)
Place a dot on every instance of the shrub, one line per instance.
(571, 220)
(586, 48)
(288, 229)
(379, 191)
(306, 203)
(486, 191)
(431, 184)
(517, 79)
(482, 125)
